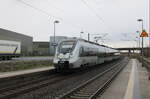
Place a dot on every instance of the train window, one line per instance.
(81, 52)
(87, 51)
(66, 46)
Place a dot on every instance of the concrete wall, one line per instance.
(26, 41)
(41, 49)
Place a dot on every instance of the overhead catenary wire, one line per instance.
(40, 10)
(59, 18)
(92, 10)
(46, 13)
(96, 14)
(97, 4)
(60, 10)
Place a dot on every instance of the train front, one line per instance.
(64, 55)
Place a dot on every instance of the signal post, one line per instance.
(143, 34)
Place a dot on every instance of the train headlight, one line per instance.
(60, 56)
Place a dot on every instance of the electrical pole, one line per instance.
(88, 36)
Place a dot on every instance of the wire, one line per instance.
(48, 14)
(93, 11)
(60, 10)
(40, 10)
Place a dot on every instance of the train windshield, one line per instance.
(66, 47)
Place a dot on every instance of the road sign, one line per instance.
(144, 34)
(54, 44)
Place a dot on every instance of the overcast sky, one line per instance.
(118, 18)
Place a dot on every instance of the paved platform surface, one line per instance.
(144, 82)
(15, 73)
(122, 87)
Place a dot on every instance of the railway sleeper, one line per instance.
(87, 89)
(86, 94)
(77, 97)
(83, 92)
(82, 95)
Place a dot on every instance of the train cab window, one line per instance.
(66, 47)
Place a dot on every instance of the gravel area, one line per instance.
(56, 89)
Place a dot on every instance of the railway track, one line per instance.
(27, 85)
(17, 87)
(95, 86)
(14, 86)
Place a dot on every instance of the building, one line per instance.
(26, 41)
(41, 49)
(57, 40)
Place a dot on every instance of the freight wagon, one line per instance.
(9, 49)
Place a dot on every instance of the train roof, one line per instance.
(77, 39)
(97, 44)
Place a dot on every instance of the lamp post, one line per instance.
(54, 42)
(55, 28)
(88, 36)
(141, 20)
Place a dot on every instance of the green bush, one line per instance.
(23, 65)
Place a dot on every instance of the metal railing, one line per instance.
(146, 64)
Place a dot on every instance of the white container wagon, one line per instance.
(9, 49)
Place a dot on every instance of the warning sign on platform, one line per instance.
(144, 34)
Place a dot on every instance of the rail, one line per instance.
(92, 95)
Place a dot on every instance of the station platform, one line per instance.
(131, 83)
(21, 72)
